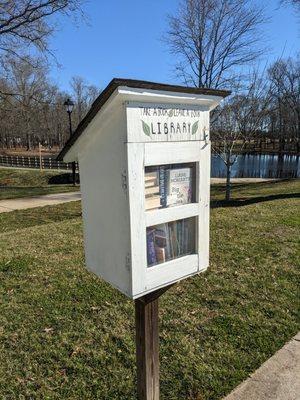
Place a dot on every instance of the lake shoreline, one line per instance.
(269, 152)
(266, 166)
(246, 180)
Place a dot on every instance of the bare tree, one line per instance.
(285, 84)
(27, 23)
(295, 3)
(83, 95)
(31, 106)
(238, 120)
(211, 38)
(29, 86)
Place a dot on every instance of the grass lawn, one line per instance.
(15, 183)
(65, 334)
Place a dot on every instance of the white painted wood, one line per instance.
(161, 285)
(175, 152)
(136, 182)
(113, 153)
(167, 97)
(160, 216)
(105, 115)
(204, 200)
(129, 95)
(106, 205)
(165, 122)
(171, 271)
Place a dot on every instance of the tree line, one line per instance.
(31, 106)
(214, 43)
(264, 107)
(218, 44)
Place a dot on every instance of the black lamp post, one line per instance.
(69, 105)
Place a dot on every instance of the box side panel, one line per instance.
(103, 171)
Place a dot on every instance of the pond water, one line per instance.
(259, 166)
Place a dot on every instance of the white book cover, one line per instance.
(179, 186)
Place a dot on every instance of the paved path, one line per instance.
(38, 201)
(277, 379)
(58, 198)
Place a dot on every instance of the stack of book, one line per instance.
(152, 197)
(167, 186)
(170, 240)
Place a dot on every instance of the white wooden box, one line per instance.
(128, 128)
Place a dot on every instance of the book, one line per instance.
(151, 253)
(152, 197)
(179, 237)
(162, 186)
(162, 239)
(160, 254)
(178, 186)
(186, 238)
(167, 186)
(152, 202)
(170, 240)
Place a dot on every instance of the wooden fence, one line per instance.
(34, 162)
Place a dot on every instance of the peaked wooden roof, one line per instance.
(136, 84)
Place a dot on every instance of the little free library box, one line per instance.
(144, 158)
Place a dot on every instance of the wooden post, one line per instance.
(147, 345)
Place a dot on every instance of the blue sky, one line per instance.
(123, 39)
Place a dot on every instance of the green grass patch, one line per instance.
(66, 334)
(16, 183)
(269, 190)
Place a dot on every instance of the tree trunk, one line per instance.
(28, 142)
(228, 177)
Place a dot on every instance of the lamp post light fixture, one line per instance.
(69, 105)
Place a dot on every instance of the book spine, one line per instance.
(160, 254)
(170, 240)
(174, 238)
(183, 237)
(168, 245)
(180, 237)
(151, 254)
(186, 238)
(162, 186)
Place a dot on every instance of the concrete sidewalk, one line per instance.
(277, 379)
(38, 201)
(58, 198)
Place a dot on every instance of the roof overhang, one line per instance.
(121, 90)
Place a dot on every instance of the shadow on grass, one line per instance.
(219, 187)
(239, 202)
(28, 188)
(21, 219)
(63, 179)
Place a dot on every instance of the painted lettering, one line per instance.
(152, 130)
(158, 126)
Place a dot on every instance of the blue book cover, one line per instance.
(162, 186)
(151, 254)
